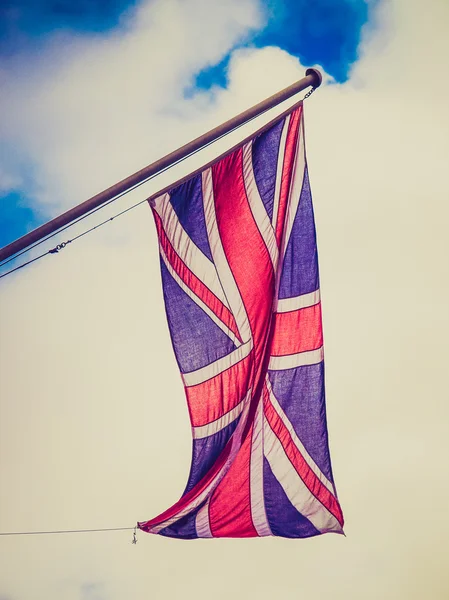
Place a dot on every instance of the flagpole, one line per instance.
(313, 78)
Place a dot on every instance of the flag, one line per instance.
(241, 289)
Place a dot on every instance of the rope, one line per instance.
(24, 264)
(67, 531)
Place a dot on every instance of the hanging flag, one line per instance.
(241, 289)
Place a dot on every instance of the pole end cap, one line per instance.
(318, 78)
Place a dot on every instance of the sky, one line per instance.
(94, 429)
(50, 35)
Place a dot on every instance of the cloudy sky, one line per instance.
(94, 429)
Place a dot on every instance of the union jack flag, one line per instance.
(241, 289)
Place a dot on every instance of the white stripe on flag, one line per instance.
(221, 263)
(296, 184)
(187, 251)
(294, 487)
(280, 168)
(291, 361)
(295, 303)
(258, 513)
(203, 431)
(202, 522)
(257, 207)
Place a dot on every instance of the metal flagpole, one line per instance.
(313, 78)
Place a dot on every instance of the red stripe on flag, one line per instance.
(230, 505)
(192, 281)
(287, 170)
(297, 331)
(251, 266)
(309, 478)
(245, 251)
(213, 398)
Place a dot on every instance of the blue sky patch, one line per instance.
(25, 22)
(16, 218)
(213, 75)
(326, 32)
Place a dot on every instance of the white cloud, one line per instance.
(94, 430)
(8, 181)
(92, 110)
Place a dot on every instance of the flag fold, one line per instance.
(241, 289)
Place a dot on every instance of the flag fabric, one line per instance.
(241, 289)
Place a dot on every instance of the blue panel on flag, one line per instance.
(300, 392)
(283, 518)
(300, 269)
(187, 202)
(206, 451)
(183, 528)
(265, 156)
(197, 340)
